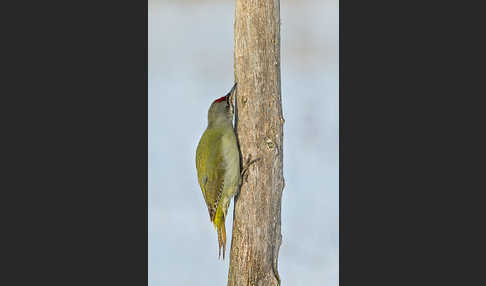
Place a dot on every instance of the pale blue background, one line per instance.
(190, 64)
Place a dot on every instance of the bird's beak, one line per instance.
(232, 90)
(230, 96)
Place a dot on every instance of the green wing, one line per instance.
(210, 168)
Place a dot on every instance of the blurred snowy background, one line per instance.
(190, 63)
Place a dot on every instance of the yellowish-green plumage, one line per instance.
(218, 165)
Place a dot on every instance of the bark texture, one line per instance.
(256, 235)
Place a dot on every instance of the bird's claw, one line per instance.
(249, 162)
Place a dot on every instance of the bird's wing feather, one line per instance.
(211, 175)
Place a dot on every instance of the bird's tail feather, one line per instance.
(220, 228)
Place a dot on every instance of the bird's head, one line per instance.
(221, 110)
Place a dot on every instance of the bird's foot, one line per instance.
(244, 173)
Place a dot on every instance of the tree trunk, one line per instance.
(256, 235)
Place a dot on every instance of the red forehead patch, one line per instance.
(220, 99)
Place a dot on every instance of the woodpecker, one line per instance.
(218, 163)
